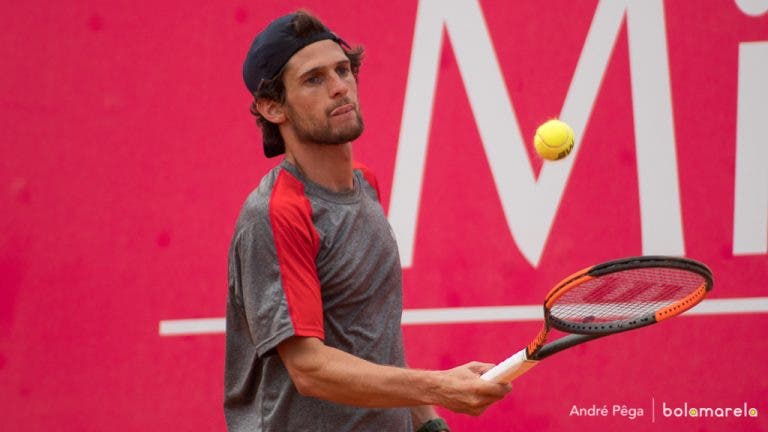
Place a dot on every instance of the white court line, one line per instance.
(199, 326)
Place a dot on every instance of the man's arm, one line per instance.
(327, 373)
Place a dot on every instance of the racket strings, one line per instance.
(624, 295)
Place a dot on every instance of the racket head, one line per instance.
(626, 294)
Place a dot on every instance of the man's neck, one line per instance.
(329, 166)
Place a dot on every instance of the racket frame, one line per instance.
(524, 360)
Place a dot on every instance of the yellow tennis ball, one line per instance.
(553, 140)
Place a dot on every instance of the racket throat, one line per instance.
(511, 368)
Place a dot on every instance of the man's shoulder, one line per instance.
(364, 170)
(369, 178)
(278, 195)
(258, 200)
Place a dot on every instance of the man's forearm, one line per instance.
(331, 374)
(328, 373)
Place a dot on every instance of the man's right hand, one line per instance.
(464, 392)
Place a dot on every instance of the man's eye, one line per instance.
(313, 80)
(342, 71)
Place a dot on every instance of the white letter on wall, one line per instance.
(660, 215)
(750, 215)
(530, 205)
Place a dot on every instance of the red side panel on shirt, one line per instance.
(297, 244)
(369, 177)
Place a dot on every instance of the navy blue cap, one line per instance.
(270, 51)
(274, 46)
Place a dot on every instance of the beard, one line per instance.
(320, 131)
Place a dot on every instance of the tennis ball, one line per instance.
(553, 140)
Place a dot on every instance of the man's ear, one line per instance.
(271, 110)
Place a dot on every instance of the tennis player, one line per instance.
(315, 296)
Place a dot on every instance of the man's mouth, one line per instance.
(343, 109)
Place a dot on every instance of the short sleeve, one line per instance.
(274, 260)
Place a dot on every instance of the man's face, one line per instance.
(321, 103)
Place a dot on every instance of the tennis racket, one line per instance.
(610, 298)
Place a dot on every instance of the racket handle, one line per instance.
(511, 368)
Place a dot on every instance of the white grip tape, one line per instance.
(511, 368)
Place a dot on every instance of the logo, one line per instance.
(708, 412)
(663, 410)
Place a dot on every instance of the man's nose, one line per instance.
(338, 86)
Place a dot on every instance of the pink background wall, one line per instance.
(127, 150)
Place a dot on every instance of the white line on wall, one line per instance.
(464, 315)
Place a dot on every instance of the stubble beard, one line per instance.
(321, 132)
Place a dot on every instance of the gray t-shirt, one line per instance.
(306, 261)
